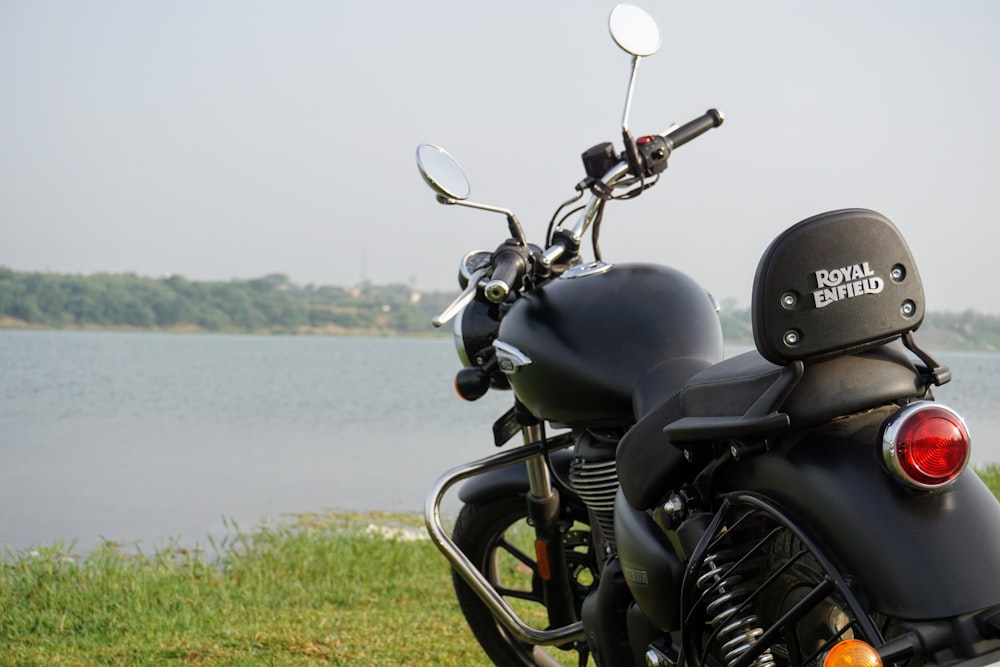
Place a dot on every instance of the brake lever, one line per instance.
(463, 300)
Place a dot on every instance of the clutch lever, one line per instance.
(463, 300)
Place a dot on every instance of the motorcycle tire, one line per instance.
(748, 585)
(495, 536)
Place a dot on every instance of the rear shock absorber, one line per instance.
(734, 625)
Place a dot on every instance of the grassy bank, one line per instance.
(322, 591)
(326, 590)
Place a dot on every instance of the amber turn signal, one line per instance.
(852, 653)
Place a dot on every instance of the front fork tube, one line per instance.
(544, 515)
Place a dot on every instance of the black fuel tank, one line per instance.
(581, 344)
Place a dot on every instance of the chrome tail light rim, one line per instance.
(891, 446)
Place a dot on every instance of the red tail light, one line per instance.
(926, 445)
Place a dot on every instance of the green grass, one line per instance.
(321, 591)
(990, 474)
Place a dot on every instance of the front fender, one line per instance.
(513, 480)
(914, 555)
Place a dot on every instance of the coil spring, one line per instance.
(736, 629)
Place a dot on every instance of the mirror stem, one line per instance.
(628, 95)
(516, 231)
(631, 152)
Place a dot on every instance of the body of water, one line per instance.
(148, 438)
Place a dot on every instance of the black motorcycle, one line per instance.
(803, 503)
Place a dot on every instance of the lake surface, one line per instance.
(148, 438)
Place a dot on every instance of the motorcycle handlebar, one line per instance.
(654, 160)
(694, 129)
(552, 253)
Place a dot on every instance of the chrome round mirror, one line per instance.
(634, 30)
(442, 172)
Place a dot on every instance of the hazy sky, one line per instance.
(225, 139)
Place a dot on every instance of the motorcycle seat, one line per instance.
(663, 381)
(747, 396)
(748, 387)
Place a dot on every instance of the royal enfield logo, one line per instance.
(636, 576)
(845, 283)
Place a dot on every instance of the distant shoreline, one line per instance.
(931, 338)
(7, 324)
(274, 304)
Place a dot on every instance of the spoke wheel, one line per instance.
(498, 540)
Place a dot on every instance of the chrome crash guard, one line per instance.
(533, 454)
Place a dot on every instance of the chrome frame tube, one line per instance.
(499, 607)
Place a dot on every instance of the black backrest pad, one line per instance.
(836, 282)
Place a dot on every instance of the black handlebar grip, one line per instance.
(508, 267)
(695, 128)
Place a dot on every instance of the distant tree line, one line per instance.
(275, 304)
(967, 330)
(268, 304)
